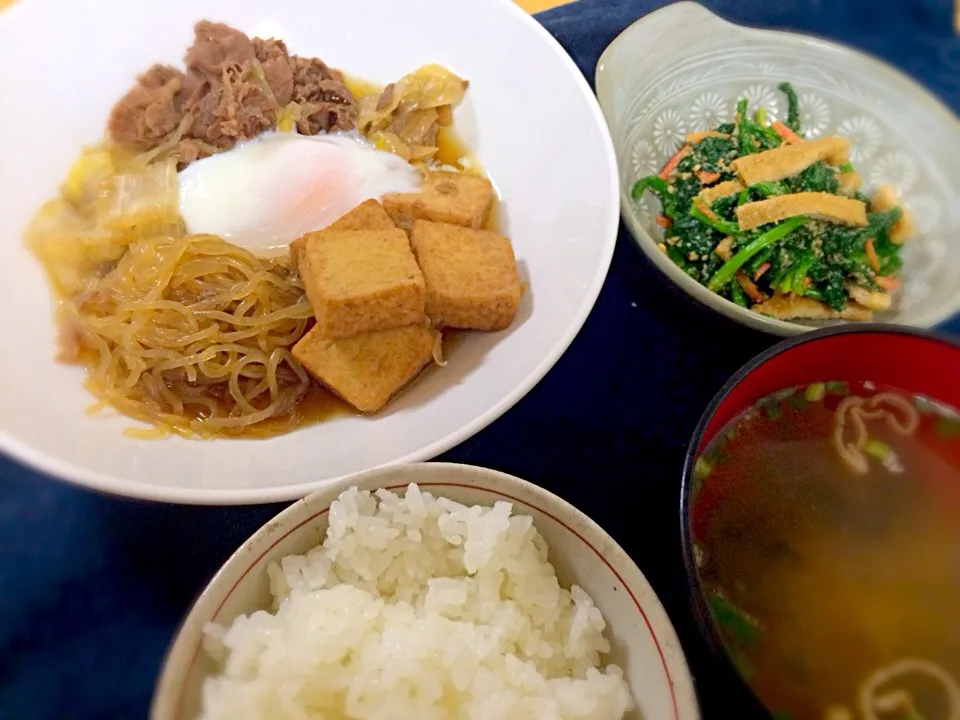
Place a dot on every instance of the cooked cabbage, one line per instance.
(148, 198)
(105, 204)
(89, 177)
(71, 246)
(407, 115)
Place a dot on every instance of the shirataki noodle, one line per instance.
(192, 335)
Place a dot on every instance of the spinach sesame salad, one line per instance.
(776, 222)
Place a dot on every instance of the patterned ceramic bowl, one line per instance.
(682, 69)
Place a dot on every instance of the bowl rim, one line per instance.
(115, 484)
(642, 239)
(698, 605)
(168, 693)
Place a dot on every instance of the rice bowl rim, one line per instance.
(182, 654)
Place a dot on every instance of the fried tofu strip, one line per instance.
(849, 182)
(887, 198)
(788, 160)
(724, 249)
(796, 307)
(872, 299)
(823, 206)
(708, 196)
(694, 137)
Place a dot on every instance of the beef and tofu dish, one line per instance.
(259, 238)
(776, 222)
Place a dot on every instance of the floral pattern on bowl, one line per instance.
(653, 90)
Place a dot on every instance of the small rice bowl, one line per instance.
(416, 607)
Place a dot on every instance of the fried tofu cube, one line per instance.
(367, 370)
(449, 197)
(368, 215)
(362, 280)
(471, 276)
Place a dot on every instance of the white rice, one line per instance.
(417, 608)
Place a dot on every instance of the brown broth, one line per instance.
(841, 573)
(317, 405)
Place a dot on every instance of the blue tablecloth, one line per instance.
(92, 587)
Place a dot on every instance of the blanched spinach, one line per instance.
(658, 186)
(819, 177)
(753, 137)
(805, 257)
(763, 190)
(712, 154)
(793, 106)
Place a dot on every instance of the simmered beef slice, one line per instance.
(322, 87)
(215, 44)
(231, 91)
(236, 107)
(277, 67)
(223, 94)
(150, 111)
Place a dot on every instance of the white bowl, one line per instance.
(682, 68)
(529, 115)
(644, 642)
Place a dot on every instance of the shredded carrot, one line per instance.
(662, 221)
(788, 135)
(761, 270)
(707, 178)
(752, 291)
(702, 207)
(673, 162)
(887, 283)
(872, 255)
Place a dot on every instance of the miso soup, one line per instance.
(826, 530)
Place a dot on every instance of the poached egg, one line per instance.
(266, 192)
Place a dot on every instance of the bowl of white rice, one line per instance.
(427, 592)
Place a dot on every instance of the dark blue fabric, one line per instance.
(92, 587)
(915, 35)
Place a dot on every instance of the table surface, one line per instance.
(534, 6)
(528, 5)
(92, 587)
